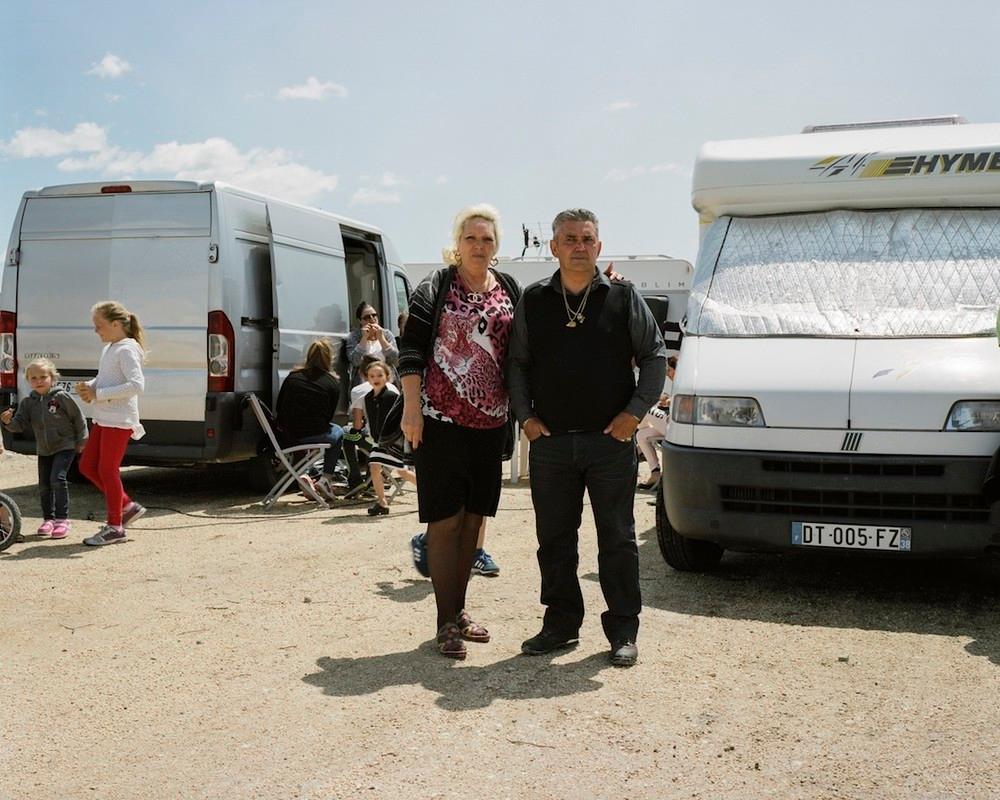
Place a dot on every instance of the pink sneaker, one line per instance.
(45, 529)
(60, 529)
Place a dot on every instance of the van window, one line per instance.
(906, 273)
(311, 290)
(402, 292)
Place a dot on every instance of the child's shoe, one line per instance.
(131, 513)
(108, 534)
(60, 528)
(45, 529)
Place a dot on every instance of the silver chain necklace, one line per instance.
(473, 296)
(576, 317)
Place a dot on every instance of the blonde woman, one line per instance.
(455, 408)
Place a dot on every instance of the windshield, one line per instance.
(907, 273)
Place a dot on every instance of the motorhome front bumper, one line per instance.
(749, 500)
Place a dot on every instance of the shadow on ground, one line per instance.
(460, 688)
(942, 597)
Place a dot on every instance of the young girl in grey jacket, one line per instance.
(60, 433)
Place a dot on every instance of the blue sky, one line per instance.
(401, 113)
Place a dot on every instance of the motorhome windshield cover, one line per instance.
(887, 273)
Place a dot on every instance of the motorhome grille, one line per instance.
(848, 504)
(854, 468)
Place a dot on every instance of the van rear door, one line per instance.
(148, 250)
(309, 283)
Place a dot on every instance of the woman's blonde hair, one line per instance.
(483, 211)
(44, 364)
(319, 359)
(113, 311)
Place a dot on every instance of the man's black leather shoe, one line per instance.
(545, 641)
(624, 653)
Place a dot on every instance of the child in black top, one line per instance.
(384, 413)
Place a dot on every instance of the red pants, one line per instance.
(100, 462)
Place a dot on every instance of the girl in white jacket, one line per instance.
(113, 398)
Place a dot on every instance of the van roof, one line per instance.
(103, 187)
(879, 167)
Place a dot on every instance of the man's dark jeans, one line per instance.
(561, 466)
(53, 488)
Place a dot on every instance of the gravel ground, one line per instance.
(227, 652)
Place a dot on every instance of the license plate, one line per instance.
(850, 536)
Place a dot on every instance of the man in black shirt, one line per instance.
(570, 376)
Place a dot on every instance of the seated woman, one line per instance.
(369, 339)
(306, 406)
(384, 413)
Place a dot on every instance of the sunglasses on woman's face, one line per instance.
(369, 316)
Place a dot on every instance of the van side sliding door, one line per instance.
(309, 284)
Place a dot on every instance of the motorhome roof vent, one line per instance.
(950, 119)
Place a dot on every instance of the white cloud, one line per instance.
(619, 174)
(111, 66)
(268, 171)
(622, 105)
(312, 89)
(671, 167)
(41, 112)
(383, 190)
(86, 137)
(271, 171)
(441, 180)
(370, 196)
(387, 180)
(112, 98)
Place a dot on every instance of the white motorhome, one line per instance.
(839, 379)
(230, 285)
(663, 281)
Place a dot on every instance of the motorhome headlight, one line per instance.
(974, 415)
(738, 411)
(682, 408)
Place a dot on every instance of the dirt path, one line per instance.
(226, 653)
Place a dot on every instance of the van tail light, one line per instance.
(221, 353)
(8, 362)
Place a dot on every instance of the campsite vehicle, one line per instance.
(663, 281)
(839, 379)
(230, 285)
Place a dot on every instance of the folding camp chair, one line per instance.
(296, 460)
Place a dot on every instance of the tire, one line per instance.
(680, 552)
(10, 522)
(263, 471)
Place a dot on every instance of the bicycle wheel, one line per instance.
(10, 522)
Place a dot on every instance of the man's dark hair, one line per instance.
(573, 215)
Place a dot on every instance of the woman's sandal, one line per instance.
(471, 631)
(449, 641)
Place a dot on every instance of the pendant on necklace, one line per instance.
(571, 323)
(475, 297)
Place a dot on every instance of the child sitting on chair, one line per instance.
(383, 408)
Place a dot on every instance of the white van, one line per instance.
(663, 281)
(230, 285)
(839, 380)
